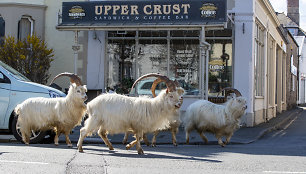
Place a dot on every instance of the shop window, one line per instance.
(259, 60)
(25, 27)
(2, 30)
(185, 33)
(220, 66)
(152, 33)
(219, 33)
(120, 65)
(131, 56)
(152, 56)
(184, 64)
(121, 34)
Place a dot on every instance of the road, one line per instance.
(281, 151)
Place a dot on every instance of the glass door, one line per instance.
(120, 63)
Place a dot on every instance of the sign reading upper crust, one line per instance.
(145, 12)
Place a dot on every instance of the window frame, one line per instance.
(259, 63)
(29, 18)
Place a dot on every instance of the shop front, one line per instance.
(190, 41)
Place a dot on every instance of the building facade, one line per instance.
(291, 23)
(292, 64)
(19, 19)
(246, 51)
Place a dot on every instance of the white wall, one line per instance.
(302, 68)
(96, 59)
(61, 42)
(244, 54)
(36, 2)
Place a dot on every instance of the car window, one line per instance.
(161, 86)
(146, 85)
(15, 73)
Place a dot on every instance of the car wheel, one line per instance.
(36, 136)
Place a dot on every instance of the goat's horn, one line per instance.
(169, 83)
(155, 83)
(73, 78)
(231, 90)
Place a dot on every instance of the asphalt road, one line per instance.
(280, 151)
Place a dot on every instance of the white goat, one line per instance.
(172, 124)
(221, 120)
(60, 114)
(114, 113)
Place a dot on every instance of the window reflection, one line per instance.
(184, 64)
(178, 58)
(120, 65)
(152, 57)
(220, 66)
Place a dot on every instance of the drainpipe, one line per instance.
(76, 48)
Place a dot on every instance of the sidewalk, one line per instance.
(244, 135)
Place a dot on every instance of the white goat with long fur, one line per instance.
(60, 114)
(114, 113)
(221, 120)
(171, 125)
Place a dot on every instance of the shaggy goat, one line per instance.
(172, 124)
(60, 114)
(114, 113)
(221, 120)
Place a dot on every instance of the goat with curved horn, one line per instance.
(174, 120)
(157, 81)
(229, 90)
(171, 86)
(61, 114)
(73, 78)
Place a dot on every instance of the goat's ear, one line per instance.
(180, 91)
(73, 85)
(85, 87)
(167, 91)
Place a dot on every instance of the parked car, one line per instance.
(144, 88)
(14, 89)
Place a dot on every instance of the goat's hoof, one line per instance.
(222, 145)
(80, 150)
(69, 145)
(153, 144)
(140, 152)
(111, 148)
(124, 142)
(127, 147)
(56, 144)
(174, 144)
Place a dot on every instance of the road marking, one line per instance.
(24, 162)
(284, 172)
